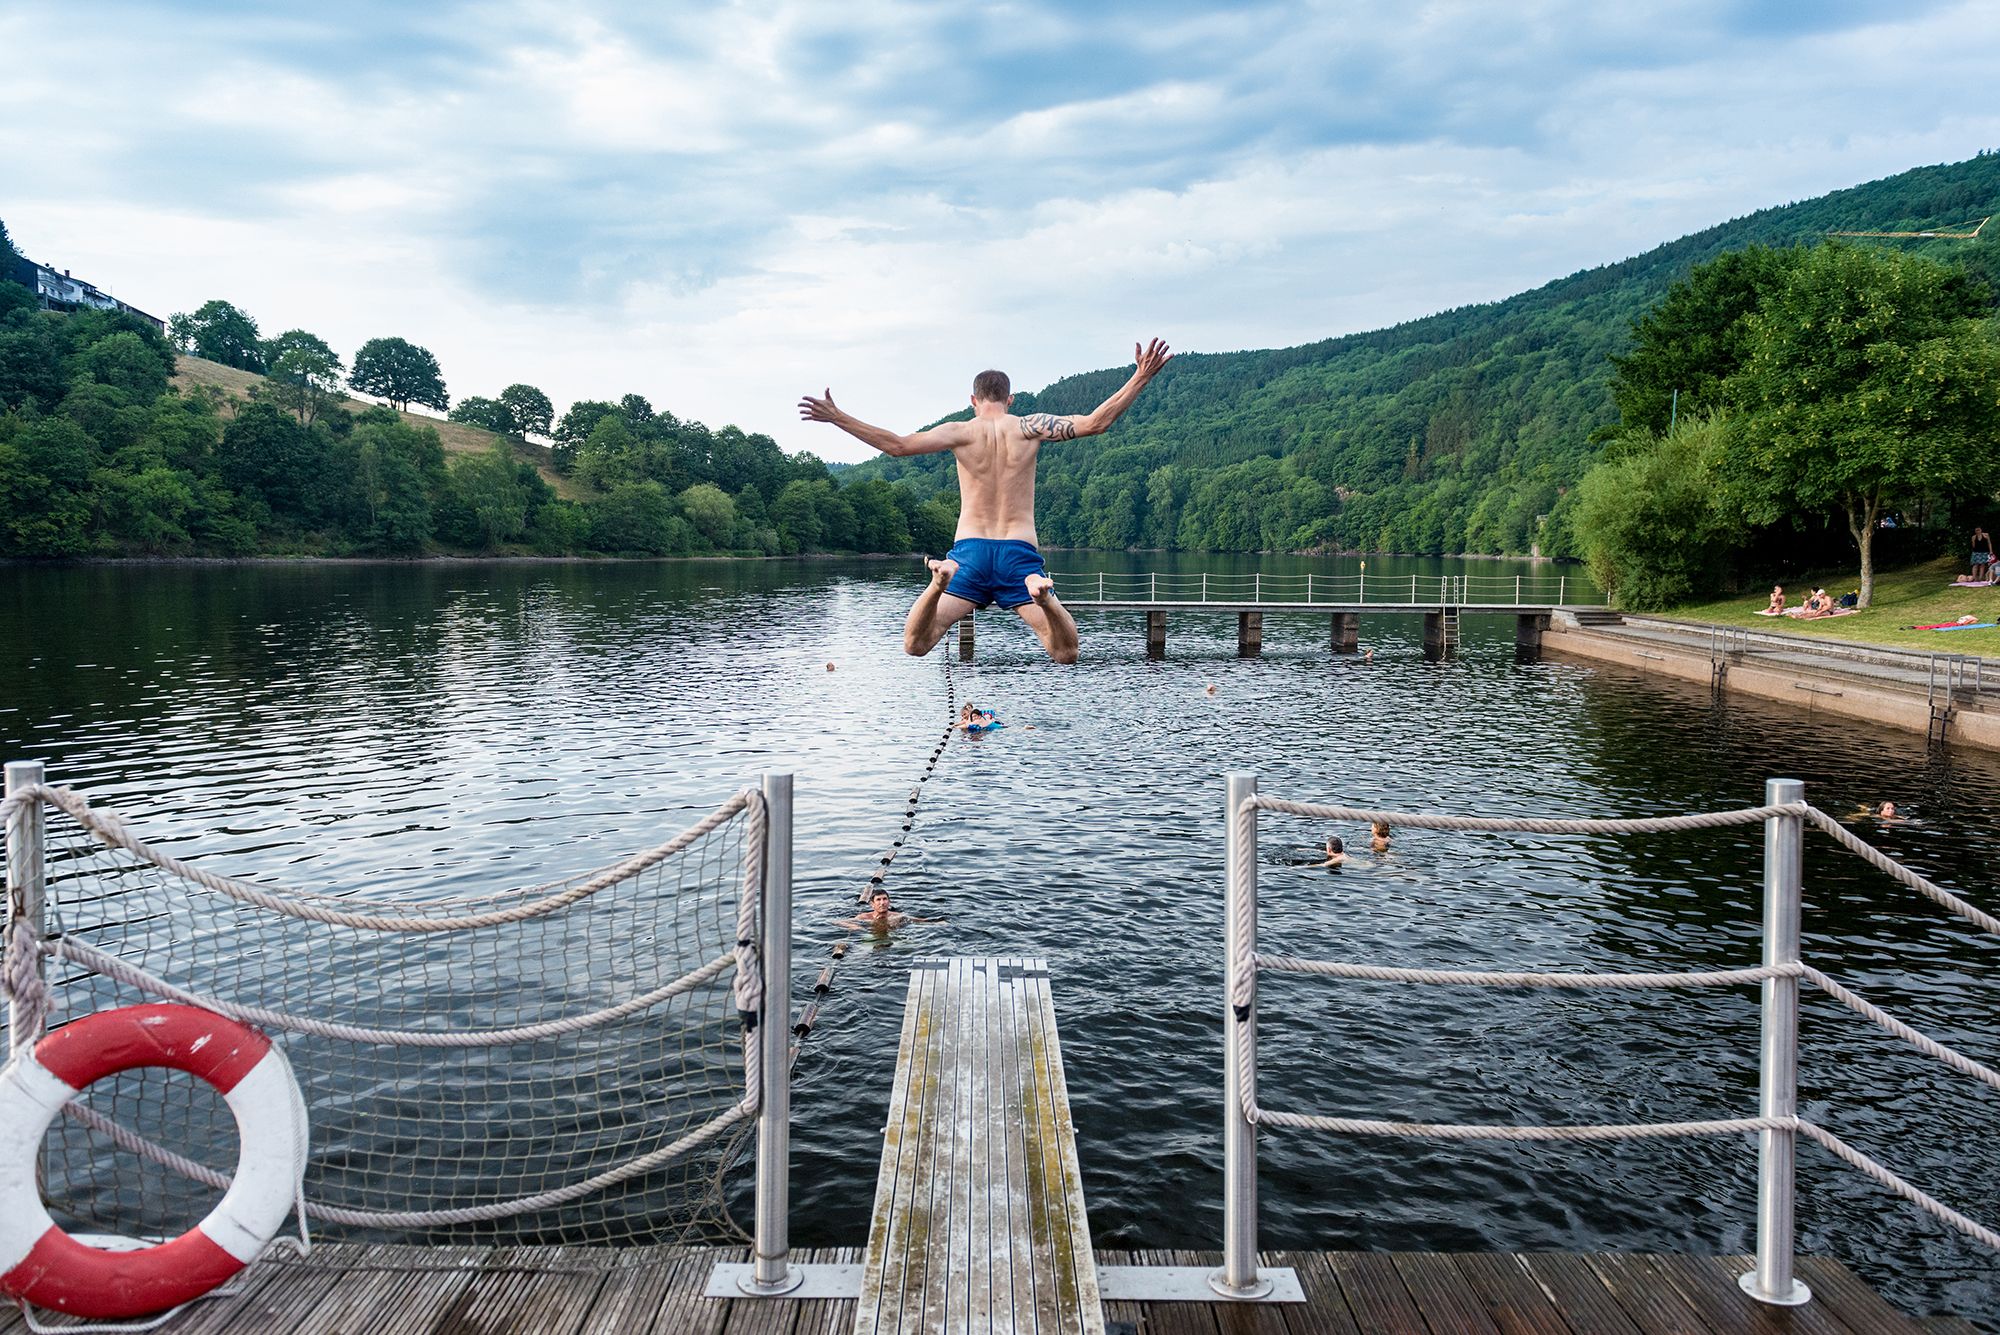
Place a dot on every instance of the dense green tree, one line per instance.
(708, 508)
(219, 332)
(149, 511)
(1688, 344)
(1651, 519)
(529, 410)
(487, 414)
(1870, 385)
(270, 456)
(400, 372)
(125, 362)
(575, 428)
(45, 504)
(31, 360)
(10, 258)
(636, 518)
(612, 455)
(304, 373)
(796, 517)
(14, 295)
(402, 477)
(487, 485)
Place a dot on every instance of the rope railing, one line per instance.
(750, 956)
(1777, 1123)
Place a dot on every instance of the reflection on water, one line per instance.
(404, 726)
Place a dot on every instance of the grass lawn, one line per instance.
(1912, 596)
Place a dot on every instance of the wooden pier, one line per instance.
(350, 1289)
(979, 1222)
(1344, 621)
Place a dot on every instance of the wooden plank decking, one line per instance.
(358, 1290)
(978, 1224)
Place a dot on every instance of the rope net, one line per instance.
(557, 1064)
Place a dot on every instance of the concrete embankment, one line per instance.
(1955, 696)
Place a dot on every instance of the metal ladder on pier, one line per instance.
(1448, 631)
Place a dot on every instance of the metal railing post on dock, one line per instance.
(1204, 586)
(772, 1272)
(1153, 589)
(1238, 1277)
(27, 832)
(1772, 1281)
(1257, 586)
(1309, 587)
(1562, 583)
(1100, 586)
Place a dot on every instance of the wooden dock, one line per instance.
(979, 1223)
(360, 1290)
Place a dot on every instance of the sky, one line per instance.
(725, 206)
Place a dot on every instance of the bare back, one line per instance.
(996, 478)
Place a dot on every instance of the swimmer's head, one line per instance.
(1381, 829)
(1888, 808)
(879, 900)
(1336, 845)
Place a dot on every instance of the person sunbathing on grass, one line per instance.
(1777, 600)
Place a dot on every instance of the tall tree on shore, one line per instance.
(1870, 384)
(484, 413)
(304, 373)
(220, 332)
(400, 372)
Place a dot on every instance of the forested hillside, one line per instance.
(1459, 432)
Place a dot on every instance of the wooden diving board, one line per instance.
(978, 1223)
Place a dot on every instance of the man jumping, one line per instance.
(993, 559)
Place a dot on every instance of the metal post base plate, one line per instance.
(739, 1280)
(1798, 1297)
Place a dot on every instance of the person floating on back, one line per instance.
(993, 558)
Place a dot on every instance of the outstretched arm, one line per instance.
(1048, 426)
(944, 436)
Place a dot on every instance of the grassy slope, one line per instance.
(1912, 596)
(456, 437)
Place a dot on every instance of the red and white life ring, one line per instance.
(46, 1266)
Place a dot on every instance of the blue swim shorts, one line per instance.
(993, 570)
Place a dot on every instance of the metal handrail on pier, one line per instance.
(1313, 590)
(1784, 817)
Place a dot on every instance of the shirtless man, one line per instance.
(993, 559)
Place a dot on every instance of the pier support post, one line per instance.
(1238, 1277)
(1528, 628)
(26, 869)
(1156, 634)
(771, 1271)
(965, 638)
(1772, 1281)
(1433, 636)
(1249, 634)
(1346, 632)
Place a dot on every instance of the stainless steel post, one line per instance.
(27, 831)
(1153, 589)
(1204, 586)
(772, 1272)
(1309, 588)
(1772, 1280)
(1238, 1277)
(1257, 587)
(1517, 590)
(1100, 586)
(1562, 587)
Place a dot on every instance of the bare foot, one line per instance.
(942, 569)
(1038, 586)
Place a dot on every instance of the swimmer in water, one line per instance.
(882, 917)
(1885, 812)
(1336, 853)
(1379, 836)
(971, 719)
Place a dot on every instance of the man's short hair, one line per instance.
(992, 386)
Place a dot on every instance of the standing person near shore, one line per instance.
(1982, 554)
(993, 558)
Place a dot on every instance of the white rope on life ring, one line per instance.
(42, 1265)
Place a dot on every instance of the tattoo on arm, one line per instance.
(1047, 426)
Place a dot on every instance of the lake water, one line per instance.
(410, 727)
